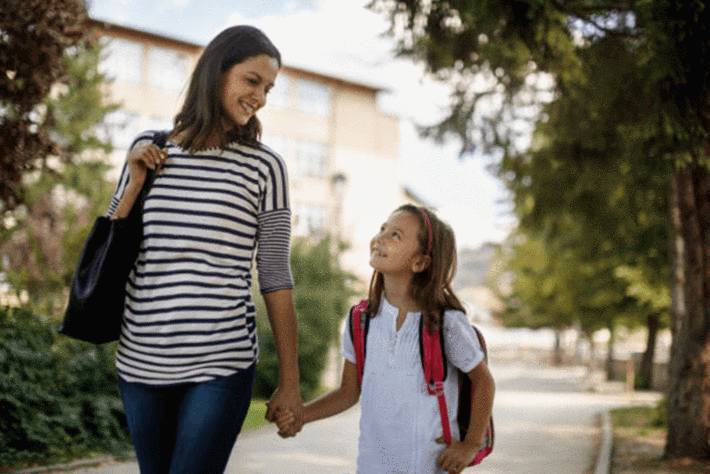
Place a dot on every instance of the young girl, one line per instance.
(414, 258)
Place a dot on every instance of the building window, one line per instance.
(278, 95)
(122, 60)
(311, 159)
(123, 127)
(167, 68)
(313, 98)
(309, 220)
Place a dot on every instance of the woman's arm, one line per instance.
(282, 316)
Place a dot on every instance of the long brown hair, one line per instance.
(431, 288)
(201, 113)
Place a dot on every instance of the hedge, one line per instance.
(58, 397)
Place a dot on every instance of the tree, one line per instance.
(34, 34)
(43, 236)
(588, 162)
(508, 42)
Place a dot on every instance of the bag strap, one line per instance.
(432, 357)
(359, 323)
(159, 139)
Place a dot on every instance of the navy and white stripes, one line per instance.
(189, 315)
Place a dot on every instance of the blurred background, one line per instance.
(565, 143)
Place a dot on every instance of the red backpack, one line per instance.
(433, 356)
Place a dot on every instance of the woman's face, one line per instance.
(245, 86)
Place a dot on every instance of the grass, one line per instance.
(255, 415)
(639, 440)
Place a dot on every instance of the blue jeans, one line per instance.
(188, 428)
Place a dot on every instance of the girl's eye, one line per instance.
(253, 82)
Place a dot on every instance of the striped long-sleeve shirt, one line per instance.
(188, 314)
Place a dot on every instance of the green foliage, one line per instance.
(321, 296)
(41, 240)
(255, 417)
(58, 397)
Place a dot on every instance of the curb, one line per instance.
(603, 464)
(66, 466)
(71, 466)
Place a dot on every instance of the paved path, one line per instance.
(545, 423)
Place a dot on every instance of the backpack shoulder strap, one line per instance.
(359, 324)
(482, 342)
(441, 343)
(434, 373)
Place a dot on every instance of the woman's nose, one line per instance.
(261, 97)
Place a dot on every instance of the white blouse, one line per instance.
(400, 421)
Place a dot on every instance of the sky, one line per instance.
(343, 38)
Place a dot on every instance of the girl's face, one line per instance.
(396, 249)
(245, 86)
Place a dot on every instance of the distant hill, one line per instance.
(472, 266)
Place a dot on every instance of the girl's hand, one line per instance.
(456, 457)
(286, 422)
(143, 157)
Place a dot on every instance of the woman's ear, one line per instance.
(421, 263)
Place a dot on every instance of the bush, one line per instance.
(321, 296)
(58, 397)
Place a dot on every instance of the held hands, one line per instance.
(456, 456)
(287, 423)
(286, 410)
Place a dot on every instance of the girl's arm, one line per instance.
(458, 454)
(481, 404)
(336, 401)
(282, 316)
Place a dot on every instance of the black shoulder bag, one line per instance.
(98, 290)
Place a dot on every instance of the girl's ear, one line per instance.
(420, 263)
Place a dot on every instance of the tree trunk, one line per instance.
(689, 370)
(610, 352)
(557, 350)
(645, 378)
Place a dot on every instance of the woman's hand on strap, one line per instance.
(142, 158)
(139, 160)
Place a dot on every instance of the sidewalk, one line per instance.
(547, 421)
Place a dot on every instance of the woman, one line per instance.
(188, 346)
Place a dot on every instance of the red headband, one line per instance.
(430, 233)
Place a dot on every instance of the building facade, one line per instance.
(340, 149)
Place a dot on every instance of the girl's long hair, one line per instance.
(200, 117)
(431, 288)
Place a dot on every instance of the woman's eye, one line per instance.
(253, 82)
